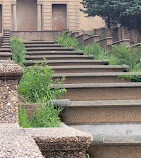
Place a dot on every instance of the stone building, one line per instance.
(42, 15)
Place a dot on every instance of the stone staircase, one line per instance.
(96, 94)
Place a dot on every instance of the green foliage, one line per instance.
(96, 50)
(124, 12)
(67, 41)
(22, 115)
(44, 116)
(134, 78)
(118, 55)
(124, 55)
(36, 84)
(18, 50)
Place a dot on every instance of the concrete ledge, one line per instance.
(112, 133)
(100, 85)
(97, 74)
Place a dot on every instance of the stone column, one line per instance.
(14, 17)
(39, 17)
(10, 74)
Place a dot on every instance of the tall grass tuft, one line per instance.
(18, 50)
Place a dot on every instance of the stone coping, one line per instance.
(9, 70)
(103, 39)
(96, 74)
(91, 37)
(112, 133)
(64, 139)
(82, 35)
(100, 85)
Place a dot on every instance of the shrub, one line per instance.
(18, 50)
(96, 50)
(36, 84)
(68, 41)
(124, 55)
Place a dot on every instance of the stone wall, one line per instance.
(36, 35)
(76, 20)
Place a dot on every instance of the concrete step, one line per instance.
(102, 91)
(66, 62)
(5, 50)
(40, 42)
(114, 140)
(58, 57)
(43, 45)
(101, 111)
(38, 53)
(49, 49)
(105, 77)
(90, 68)
(6, 45)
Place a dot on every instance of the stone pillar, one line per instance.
(39, 17)
(10, 74)
(14, 17)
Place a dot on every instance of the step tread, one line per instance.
(90, 66)
(33, 42)
(96, 74)
(105, 103)
(66, 61)
(57, 56)
(52, 52)
(44, 45)
(50, 48)
(101, 85)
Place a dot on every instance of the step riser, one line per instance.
(87, 70)
(115, 151)
(76, 115)
(85, 79)
(78, 94)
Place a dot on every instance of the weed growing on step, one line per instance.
(68, 41)
(125, 55)
(118, 55)
(96, 50)
(18, 50)
(45, 116)
(36, 86)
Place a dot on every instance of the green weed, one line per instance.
(18, 50)
(36, 84)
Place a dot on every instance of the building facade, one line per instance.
(42, 15)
